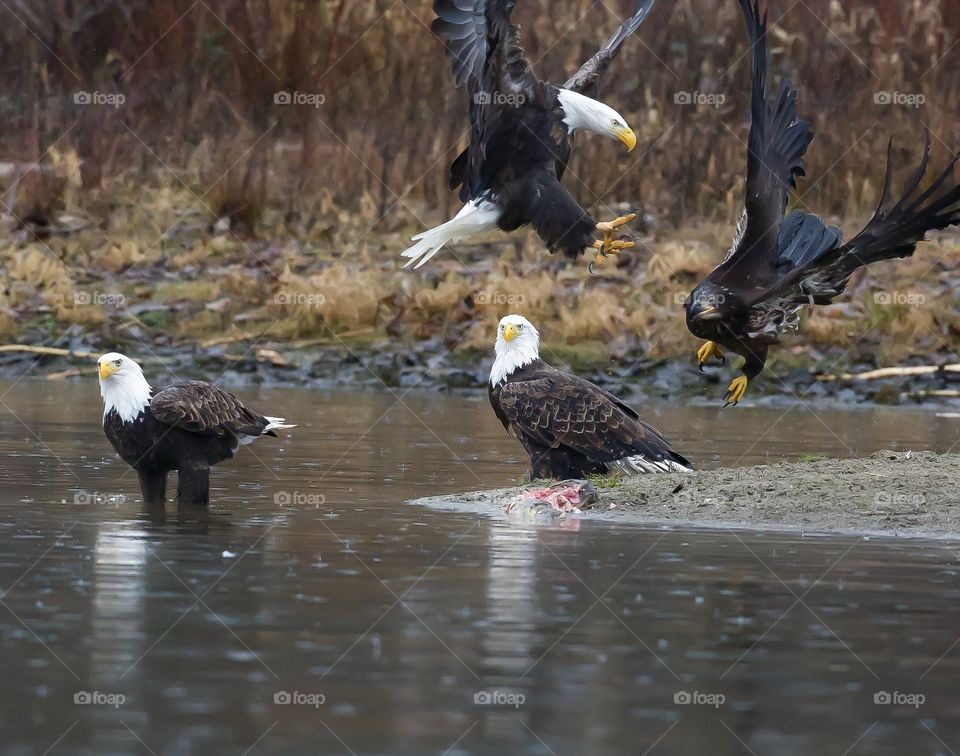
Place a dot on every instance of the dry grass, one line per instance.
(214, 211)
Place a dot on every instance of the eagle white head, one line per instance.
(122, 386)
(582, 112)
(517, 345)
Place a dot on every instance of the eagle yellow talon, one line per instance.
(736, 390)
(709, 350)
(608, 245)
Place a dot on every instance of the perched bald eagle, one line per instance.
(185, 427)
(521, 134)
(569, 427)
(779, 264)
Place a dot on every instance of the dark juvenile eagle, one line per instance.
(185, 427)
(570, 427)
(521, 134)
(779, 263)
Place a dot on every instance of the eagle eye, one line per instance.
(117, 362)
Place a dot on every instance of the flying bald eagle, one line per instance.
(185, 427)
(778, 264)
(570, 427)
(521, 134)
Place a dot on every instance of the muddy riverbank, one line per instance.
(385, 363)
(888, 493)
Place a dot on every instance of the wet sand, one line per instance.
(888, 493)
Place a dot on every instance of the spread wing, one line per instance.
(556, 409)
(203, 408)
(488, 58)
(587, 78)
(777, 143)
(893, 231)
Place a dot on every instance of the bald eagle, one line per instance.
(778, 263)
(185, 427)
(570, 427)
(521, 134)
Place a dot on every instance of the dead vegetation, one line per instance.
(205, 205)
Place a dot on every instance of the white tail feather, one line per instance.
(276, 423)
(639, 465)
(476, 217)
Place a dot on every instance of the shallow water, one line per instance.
(389, 627)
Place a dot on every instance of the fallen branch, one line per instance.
(49, 351)
(892, 372)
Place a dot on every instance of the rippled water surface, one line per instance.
(312, 610)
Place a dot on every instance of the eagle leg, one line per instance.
(709, 350)
(736, 390)
(610, 246)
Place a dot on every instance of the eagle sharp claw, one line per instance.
(736, 390)
(709, 350)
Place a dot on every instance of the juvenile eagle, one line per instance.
(779, 264)
(521, 134)
(185, 427)
(570, 427)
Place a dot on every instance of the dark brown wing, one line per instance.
(587, 78)
(893, 231)
(201, 407)
(777, 143)
(556, 409)
(488, 58)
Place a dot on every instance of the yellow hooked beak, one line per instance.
(106, 370)
(509, 332)
(626, 135)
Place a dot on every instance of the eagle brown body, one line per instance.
(780, 263)
(572, 428)
(187, 427)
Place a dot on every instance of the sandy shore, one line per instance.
(889, 493)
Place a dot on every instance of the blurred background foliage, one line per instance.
(203, 172)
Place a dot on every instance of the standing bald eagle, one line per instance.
(185, 427)
(570, 427)
(779, 264)
(521, 134)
